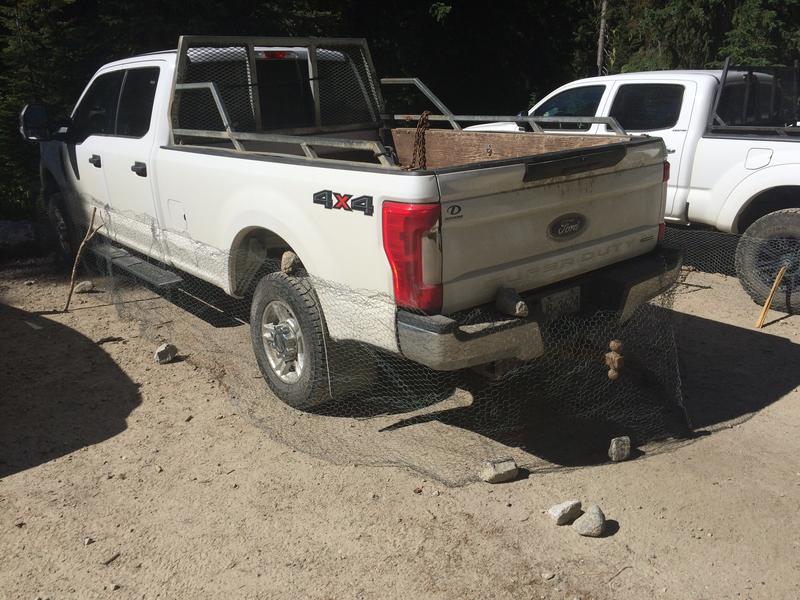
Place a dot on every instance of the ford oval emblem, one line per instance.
(566, 227)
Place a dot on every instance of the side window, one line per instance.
(97, 111)
(136, 102)
(647, 106)
(576, 102)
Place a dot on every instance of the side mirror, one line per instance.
(34, 123)
(524, 125)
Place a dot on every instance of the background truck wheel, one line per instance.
(768, 244)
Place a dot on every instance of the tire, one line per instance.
(62, 230)
(290, 306)
(769, 243)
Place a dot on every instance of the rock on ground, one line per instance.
(499, 471)
(165, 353)
(565, 512)
(620, 449)
(289, 262)
(84, 287)
(591, 523)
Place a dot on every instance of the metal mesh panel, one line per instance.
(263, 88)
(347, 90)
(755, 261)
(226, 67)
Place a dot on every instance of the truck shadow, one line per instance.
(59, 391)
(718, 362)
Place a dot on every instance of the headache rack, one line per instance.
(317, 99)
(756, 102)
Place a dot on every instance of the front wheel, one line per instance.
(287, 332)
(63, 232)
(770, 243)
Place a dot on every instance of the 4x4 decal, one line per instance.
(347, 202)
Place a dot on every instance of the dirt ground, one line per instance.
(120, 478)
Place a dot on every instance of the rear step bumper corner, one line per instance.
(480, 336)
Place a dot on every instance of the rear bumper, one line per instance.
(483, 335)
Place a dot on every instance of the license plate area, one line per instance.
(562, 302)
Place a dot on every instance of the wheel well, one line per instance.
(777, 198)
(254, 252)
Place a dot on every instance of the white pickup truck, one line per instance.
(733, 139)
(222, 158)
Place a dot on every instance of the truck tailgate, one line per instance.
(527, 223)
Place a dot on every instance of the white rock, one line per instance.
(499, 471)
(165, 353)
(289, 262)
(510, 302)
(84, 287)
(591, 523)
(620, 449)
(565, 512)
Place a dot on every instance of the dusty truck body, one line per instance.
(221, 158)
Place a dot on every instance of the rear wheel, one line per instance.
(288, 340)
(770, 243)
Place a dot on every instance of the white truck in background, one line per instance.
(733, 144)
(221, 159)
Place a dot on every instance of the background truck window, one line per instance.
(576, 102)
(96, 113)
(136, 102)
(647, 106)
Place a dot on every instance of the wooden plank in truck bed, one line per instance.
(446, 148)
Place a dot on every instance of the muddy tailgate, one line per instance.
(529, 223)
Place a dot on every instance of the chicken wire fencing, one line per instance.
(756, 261)
(556, 411)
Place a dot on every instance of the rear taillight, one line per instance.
(662, 231)
(665, 176)
(411, 243)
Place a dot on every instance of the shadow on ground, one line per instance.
(59, 391)
(720, 388)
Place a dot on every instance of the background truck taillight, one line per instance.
(662, 226)
(411, 243)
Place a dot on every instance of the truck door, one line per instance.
(92, 120)
(127, 162)
(658, 109)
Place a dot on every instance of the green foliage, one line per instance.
(478, 57)
(440, 10)
(763, 32)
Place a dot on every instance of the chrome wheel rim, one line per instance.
(283, 341)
